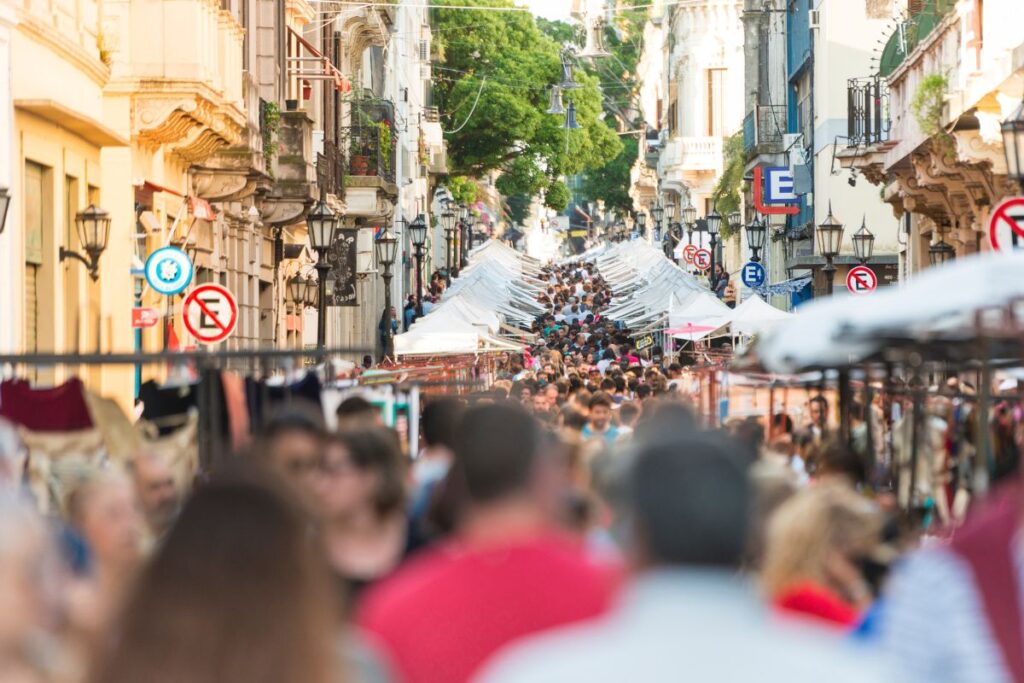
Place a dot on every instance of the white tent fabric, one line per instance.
(944, 300)
(700, 310)
(756, 316)
(497, 288)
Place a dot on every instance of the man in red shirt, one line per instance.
(507, 573)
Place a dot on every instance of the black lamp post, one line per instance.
(297, 290)
(418, 233)
(735, 222)
(714, 221)
(863, 242)
(756, 233)
(93, 227)
(463, 236)
(1013, 144)
(312, 297)
(641, 223)
(387, 251)
(690, 219)
(658, 211)
(448, 225)
(941, 252)
(322, 225)
(830, 239)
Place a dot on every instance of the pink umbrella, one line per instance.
(690, 328)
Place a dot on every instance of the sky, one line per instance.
(550, 9)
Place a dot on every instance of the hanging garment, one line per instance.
(263, 399)
(59, 409)
(167, 407)
(119, 435)
(237, 409)
(931, 474)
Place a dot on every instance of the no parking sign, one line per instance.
(210, 313)
(702, 259)
(1006, 224)
(689, 251)
(861, 280)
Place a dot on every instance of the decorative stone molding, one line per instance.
(194, 123)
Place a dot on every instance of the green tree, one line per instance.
(518, 208)
(556, 196)
(611, 181)
(493, 82)
(726, 195)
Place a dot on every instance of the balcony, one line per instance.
(371, 151)
(867, 111)
(910, 33)
(369, 154)
(690, 162)
(763, 129)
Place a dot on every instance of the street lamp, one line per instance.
(297, 290)
(387, 252)
(830, 238)
(756, 233)
(448, 225)
(93, 227)
(863, 242)
(312, 297)
(941, 252)
(322, 225)
(658, 211)
(418, 233)
(735, 221)
(641, 223)
(1013, 144)
(714, 221)
(690, 220)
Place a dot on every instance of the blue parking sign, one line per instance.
(753, 274)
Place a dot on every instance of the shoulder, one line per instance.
(389, 599)
(573, 653)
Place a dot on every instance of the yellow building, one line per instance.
(68, 150)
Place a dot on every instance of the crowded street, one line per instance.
(511, 341)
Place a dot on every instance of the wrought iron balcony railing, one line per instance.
(763, 129)
(867, 118)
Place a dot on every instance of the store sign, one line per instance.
(773, 191)
(645, 342)
(144, 317)
(341, 279)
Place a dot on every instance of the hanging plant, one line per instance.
(270, 124)
(928, 103)
(384, 140)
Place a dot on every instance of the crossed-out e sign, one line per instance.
(210, 313)
(1006, 224)
(861, 280)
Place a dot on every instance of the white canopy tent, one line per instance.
(756, 316)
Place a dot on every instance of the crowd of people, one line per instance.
(575, 521)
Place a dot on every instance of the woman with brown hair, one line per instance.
(362, 501)
(237, 593)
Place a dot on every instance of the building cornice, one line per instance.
(91, 66)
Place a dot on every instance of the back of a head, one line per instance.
(356, 411)
(665, 420)
(235, 594)
(691, 499)
(440, 421)
(496, 450)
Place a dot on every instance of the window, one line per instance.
(35, 219)
(716, 102)
(803, 108)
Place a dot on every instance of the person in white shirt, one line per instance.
(688, 615)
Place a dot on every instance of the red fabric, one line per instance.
(60, 409)
(442, 616)
(986, 544)
(811, 599)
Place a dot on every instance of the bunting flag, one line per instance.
(785, 287)
(201, 209)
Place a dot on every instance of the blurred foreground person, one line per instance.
(817, 543)
(688, 615)
(156, 492)
(237, 593)
(953, 613)
(291, 446)
(28, 597)
(506, 574)
(362, 497)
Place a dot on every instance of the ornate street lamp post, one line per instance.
(756, 233)
(690, 219)
(448, 225)
(658, 211)
(863, 242)
(714, 221)
(941, 252)
(418, 233)
(93, 227)
(641, 223)
(387, 251)
(1013, 144)
(322, 225)
(830, 239)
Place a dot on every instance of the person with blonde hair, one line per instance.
(814, 544)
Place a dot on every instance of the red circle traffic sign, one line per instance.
(689, 251)
(1006, 224)
(210, 313)
(702, 259)
(861, 280)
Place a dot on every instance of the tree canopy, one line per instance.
(492, 84)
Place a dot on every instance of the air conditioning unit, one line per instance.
(424, 50)
(425, 72)
(792, 140)
(814, 19)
